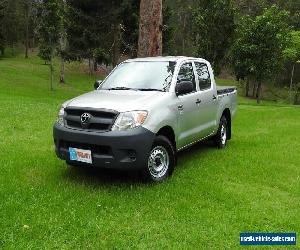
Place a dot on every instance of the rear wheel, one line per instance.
(222, 134)
(161, 160)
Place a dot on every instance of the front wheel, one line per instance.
(161, 160)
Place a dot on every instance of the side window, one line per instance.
(186, 73)
(203, 76)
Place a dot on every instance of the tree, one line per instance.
(258, 50)
(240, 55)
(213, 26)
(102, 31)
(12, 23)
(50, 25)
(2, 40)
(27, 6)
(150, 28)
(177, 17)
(292, 55)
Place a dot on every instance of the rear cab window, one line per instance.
(203, 76)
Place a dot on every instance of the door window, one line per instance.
(186, 73)
(203, 76)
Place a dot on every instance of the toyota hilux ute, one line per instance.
(143, 113)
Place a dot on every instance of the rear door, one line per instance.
(207, 109)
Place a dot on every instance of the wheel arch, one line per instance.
(168, 132)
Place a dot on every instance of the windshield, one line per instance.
(148, 76)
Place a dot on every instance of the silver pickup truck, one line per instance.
(143, 113)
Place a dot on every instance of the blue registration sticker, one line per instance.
(73, 155)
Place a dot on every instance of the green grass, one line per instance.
(251, 186)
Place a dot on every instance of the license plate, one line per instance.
(81, 155)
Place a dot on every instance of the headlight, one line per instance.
(129, 120)
(60, 117)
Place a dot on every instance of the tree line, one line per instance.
(257, 40)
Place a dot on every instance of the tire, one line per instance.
(222, 135)
(161, 160)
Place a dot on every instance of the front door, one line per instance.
(187, 108)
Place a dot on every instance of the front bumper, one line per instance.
(114, 149)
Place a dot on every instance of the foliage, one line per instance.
(45, 53)
(2, 39)
(258, 49)
(168, 30)
(213, 26)
(179, 18)
(292, 52)
(106, 30)
(12, 27)
(49, 25)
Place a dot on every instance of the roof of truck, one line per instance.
(163, 59)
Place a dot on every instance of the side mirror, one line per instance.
(184, 87)
(97, 84)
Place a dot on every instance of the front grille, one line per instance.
(101, 150)
(100, 120)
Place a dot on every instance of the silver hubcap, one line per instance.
(223, 134)
(158, 162)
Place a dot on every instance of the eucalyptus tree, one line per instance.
(150, 28)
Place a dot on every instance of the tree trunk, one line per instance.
(51, 68)
(254, 90)
(291, 83)
(51, 71)
(183, 37)
(27, 31)
(12, 49)
(150, 28)
(90, 67)
(62, 71)
(95, 65)
(297, 95)
(247, 87)
(259, 92)
(116, 45)
(33, 44)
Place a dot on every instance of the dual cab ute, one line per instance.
(143, 113)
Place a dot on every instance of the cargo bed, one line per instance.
(221, 90)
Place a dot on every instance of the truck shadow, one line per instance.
(100, 176)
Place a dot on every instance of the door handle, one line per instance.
(180, 107)
(198, 101)
(214, 97)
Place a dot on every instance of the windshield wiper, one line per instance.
(149, 89)
(120, 88)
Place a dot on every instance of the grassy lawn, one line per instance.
(251, 186)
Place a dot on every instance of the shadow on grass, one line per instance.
(100, 176)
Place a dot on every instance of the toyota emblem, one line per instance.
(85, 118)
